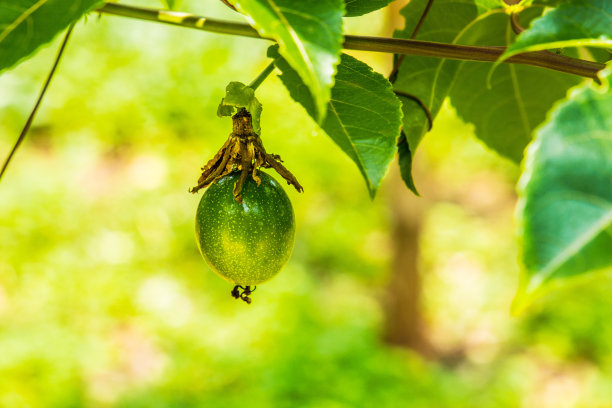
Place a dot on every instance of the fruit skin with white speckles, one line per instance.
(245, 243)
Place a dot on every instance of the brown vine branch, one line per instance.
(540, 59)
(419, 23)
(43, 91)
(376, 44)
(398, 62)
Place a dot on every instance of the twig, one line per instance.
(415, 31)
(28, 123)
(515, 24)
(228, 4)
(398, 62)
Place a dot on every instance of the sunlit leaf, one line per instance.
(363, 114)
(573, 23)
(565, 194)
(360, 7)
(239, 95)
(309, 33)
(25, 25)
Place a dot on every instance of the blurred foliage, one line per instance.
(106, 302)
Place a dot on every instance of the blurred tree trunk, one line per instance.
(402, 301)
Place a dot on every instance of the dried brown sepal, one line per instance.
(242, 151)
(274, 161)
(213, 163)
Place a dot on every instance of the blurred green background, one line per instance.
(397, 302)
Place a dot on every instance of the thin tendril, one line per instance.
(25, 129)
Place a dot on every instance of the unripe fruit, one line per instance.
(245, 243)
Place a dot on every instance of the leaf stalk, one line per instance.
(262, 76)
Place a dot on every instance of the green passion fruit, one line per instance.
(245, 243)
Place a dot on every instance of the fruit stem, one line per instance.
(242, 123)
(262, 76)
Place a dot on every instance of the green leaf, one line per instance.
(565, 194)
(428, 79)
(602, 55)
(172, 4)
(238, 95)
(572, 24)
(505, 115)
(309, 33)
(359, 7)
(25, 25)
(405, 163)
(363, 114)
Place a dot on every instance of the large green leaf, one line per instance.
(505, 114)
(363, 114)
(571, 24)
(25, 25)
(359, 7)
(309, 33)
(565, 194)
(428, 79)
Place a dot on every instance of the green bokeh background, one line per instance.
(106, 302)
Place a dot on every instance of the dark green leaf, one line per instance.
(405, 163)
(238, 95)
(25, 25)
(565, 194)
(363, 115)
(359, 7)
(573, 23)
(602, 55)
(505, 115)
(428, 80)
(309, 33)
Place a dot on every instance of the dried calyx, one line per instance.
(243, 151)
